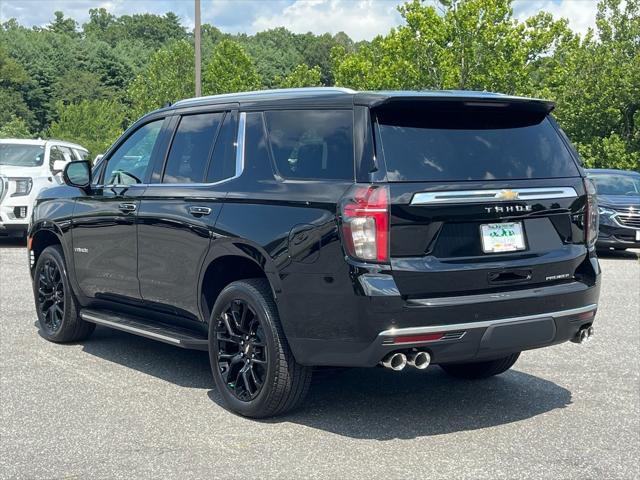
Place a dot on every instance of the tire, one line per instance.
(266, 357)
(478, 370)
(62, 324)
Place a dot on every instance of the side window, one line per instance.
(81, 154)
(57, 152)
(129, 163)
(312, 144)
(223, 162)
(191, 148)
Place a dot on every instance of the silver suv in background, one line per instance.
(26, 168)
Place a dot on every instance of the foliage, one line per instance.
(302, 76)
(16, 127)
(230, 69)
(168, 77)
(94, 124)
(74, 81)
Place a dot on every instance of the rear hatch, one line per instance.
(484, 196)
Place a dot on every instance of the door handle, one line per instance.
(199, 211)
(127, 207)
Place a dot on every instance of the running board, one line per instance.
(173, 335)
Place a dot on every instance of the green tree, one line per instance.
(595, 82)
(16, 127)
(302, 76)
(94, 124)
(168, 77)
(14, 81)
(64, 26)
(230, 69)
(471, 44)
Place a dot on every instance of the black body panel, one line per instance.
(163, 261)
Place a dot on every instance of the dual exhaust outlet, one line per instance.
(398, 360)
(584, 335)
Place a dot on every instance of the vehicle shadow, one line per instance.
(619, 254)
(186, 368)
(365, 403)
(383, 405)
(10, 242)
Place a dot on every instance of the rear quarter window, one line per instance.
(471, 144)
(312, 144)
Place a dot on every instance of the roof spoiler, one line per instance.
(470, 99)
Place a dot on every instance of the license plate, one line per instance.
(637, 235)
(502, 237)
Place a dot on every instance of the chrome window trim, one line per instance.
(240, 147)
(394, 332)
(492, 195)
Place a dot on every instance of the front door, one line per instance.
(104, 226)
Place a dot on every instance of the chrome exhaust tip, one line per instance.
(419, 360)
(590, 333)
(582, 336)
(395, 361)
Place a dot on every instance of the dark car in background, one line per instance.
(619, 208)
(289, 229)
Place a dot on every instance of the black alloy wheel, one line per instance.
(242, 350)
(50, 299)
(56, 305)
(253, 367)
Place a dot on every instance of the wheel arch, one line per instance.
(232, 261)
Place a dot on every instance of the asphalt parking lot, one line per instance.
(120, 406)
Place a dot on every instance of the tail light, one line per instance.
(591, 217)
(365, 222)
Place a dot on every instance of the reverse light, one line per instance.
(591, 217)
(365, 222)
(23, 186)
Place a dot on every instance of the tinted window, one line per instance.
(223, 162)
(129, 163)
(191, 148)
(612, 184)
(58, 152)
(81, 154)
(314, 144)
(471, 144)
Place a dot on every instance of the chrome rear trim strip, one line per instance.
(394, 332)
(495, 195)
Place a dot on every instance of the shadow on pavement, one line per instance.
(619, 254)
(10, 242)
(383, 405)
(360, 403)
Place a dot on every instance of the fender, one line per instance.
(238, 247)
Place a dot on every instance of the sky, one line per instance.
(360, 19)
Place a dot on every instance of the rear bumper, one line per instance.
(342, 329)
(459, 342)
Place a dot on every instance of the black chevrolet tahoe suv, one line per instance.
(291, 229)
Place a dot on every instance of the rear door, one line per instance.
(179, 209)
(483, 198)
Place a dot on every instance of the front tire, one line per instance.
(56, 305)
(478, 370)
(252, 364)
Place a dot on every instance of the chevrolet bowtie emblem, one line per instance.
(508, 195)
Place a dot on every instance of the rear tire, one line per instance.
(478, 370)
(252, 364)
(56, 305)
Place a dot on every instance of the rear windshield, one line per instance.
(471, 144)
(21, 155)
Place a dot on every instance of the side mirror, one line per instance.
(58, 166)
(77, 174)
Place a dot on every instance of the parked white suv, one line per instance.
(26, 168)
